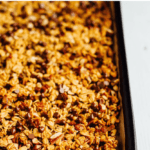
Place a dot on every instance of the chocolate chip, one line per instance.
(12, 113)
(12, 14)
(52, 28)
(97, 86)
(59, 24)
(5, 106)
(28, 108)
(105, 75)
(28, 47)
(21, 78)
(54, 17)
(36, 123)
(100, 84)
(20, 128)
(91, 117)
(97, 147)
(63, 105)
(43, 89)
(92, 40)
(39, 79)
(15, 29)
(19, 123)
(15, 24)
(2, 10)
(29, 63)
(17, 109)
(82, 5)
(67, 10)
(3, 37)
(85, 110)
(95, 114)
(46, 52)
(35, 24)
(47, 32)
(33, 76)
(23, 8)
(39, 62)
(100, 101)
(62, 33)
(41, 43)
(77, 70)
(30, 123)
(23, 26)
(76, 102)
(5, 25)
(4, 42)
(74, 112)
(73, 56)
(56, 115)
(93, 3)
(47, 60)
(94, 106)
(44, 114)
(23, 15)
(7, 86)
(92, 124)
(16, 138)
(4, 61)
(79, 119)
(63, 96)
(9, 33)
(13, 130)
(69, 29)
(31, 136)
(37, 89)
(70, 117)
(40, 22)
(89, 22)
(94, 61)
(41, 129)
(31, 96)
(21, 106)
(46, 78)
(21, 97)
(62, 122)
(28, 116)
(1, 97)
(44, 65)
(37, 147)
(65, 48)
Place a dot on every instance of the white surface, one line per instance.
(136, 23)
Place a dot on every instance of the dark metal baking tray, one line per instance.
(129, 133)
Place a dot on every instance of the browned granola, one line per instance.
(58, 79)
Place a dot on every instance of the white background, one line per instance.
(136, 24)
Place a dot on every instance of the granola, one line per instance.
(58, 78)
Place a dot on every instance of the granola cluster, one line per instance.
(58, 79)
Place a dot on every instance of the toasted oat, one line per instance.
(58, 79)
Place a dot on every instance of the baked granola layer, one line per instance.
(58, 79)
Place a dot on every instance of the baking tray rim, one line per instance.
(129, 123)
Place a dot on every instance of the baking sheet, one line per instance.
(121, 130)
(126, 134)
